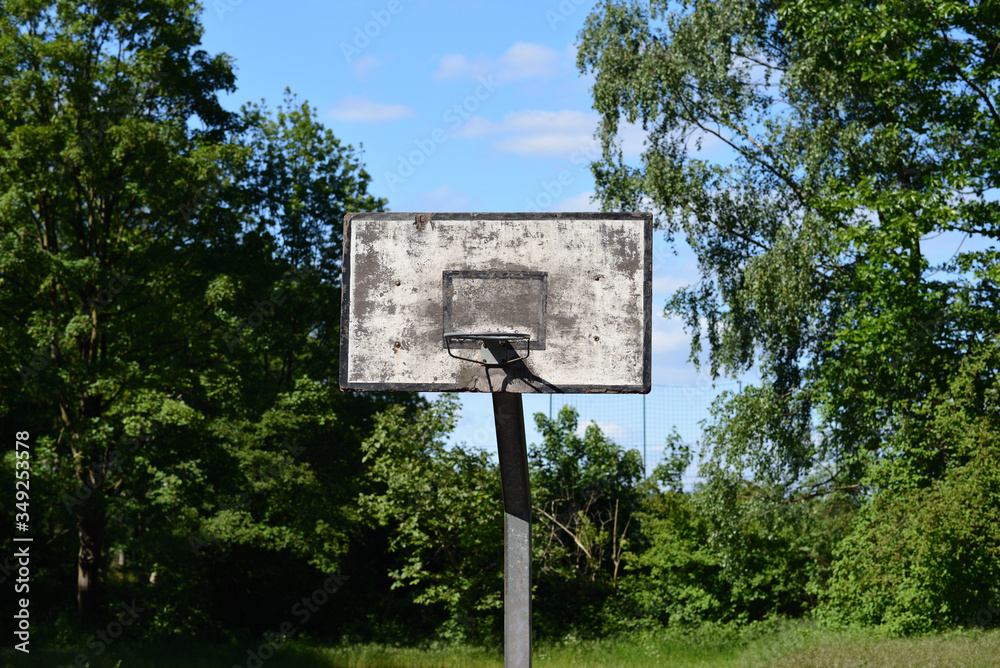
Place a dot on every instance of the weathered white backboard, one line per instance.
(579, 285)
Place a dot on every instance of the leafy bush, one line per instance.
(924, 552)
(444, 511)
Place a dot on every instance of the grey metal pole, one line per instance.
(645, 468)
(508, 412)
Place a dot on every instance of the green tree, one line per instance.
(584, 492)
(853, 133)
(674, 577)
(169, 309)
(300, 183)
(922, 558)
(720, 554)
(99, 170)
(445, 513)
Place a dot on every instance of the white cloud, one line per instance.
(670, 335)
(444, 198)
(525, 60)
(477, 126)
(353, 108)
(453, 66)
(672, 340)
(671, 348)
(612, 430)
(668, 285)
(364, 66)
(522, 60)
(566, 133)
(547, 145)
(566, 120)
(539, 133)
(532, 120)
(577, 203)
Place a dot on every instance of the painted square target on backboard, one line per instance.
(571, 291)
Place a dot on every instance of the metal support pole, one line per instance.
(508, 412)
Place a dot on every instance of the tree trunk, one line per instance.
(91, 519)
(90, 522)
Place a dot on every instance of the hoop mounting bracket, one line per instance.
(495, 348)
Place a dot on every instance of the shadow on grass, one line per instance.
(173, 656)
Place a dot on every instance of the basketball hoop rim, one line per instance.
(487, 336)
(488, 340)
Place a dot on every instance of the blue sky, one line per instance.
(460, 106)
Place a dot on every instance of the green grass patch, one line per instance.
(783, 645)
(959, 649)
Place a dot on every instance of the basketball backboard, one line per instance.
(497, 302)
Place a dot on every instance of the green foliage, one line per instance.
(445, 513)
(169, 293)
(676, 579)
(585, 490)
(99, 167)
(840, 312)
(923, 559)
(721, 555)
(926, 556)
(853, 133)
(169, 312)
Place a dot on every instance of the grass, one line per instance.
(960, 649)
(784, 646)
